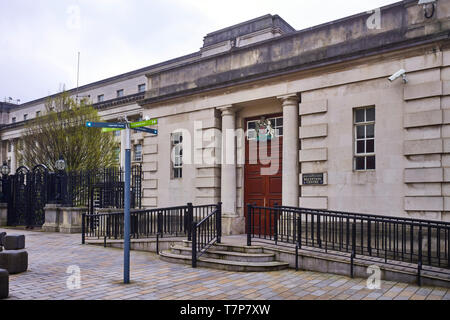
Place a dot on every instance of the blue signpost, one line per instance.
(137, 126)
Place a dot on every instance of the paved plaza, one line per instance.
(55, 258)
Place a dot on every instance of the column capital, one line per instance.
(227, 110)
(289, 98)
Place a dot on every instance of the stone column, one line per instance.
(122, 148)
(290, 149)
(228, 174)
(13, 156)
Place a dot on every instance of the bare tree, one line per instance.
(62, 131)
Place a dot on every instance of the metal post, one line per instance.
(219, 222)
(296, 257)
(194, 245)
(419, 263)
(190, 220)
(275, 223)
(83, 228)
(126, 271)
(353, 249)
(249, 225)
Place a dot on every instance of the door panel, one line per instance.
(263, 190)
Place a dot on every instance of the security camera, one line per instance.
(398, 74)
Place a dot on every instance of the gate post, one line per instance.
(249, 225)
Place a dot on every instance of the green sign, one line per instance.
(144, 123)
(110, 129)
(133, 125)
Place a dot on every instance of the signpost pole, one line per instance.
(137, 126)
(126, 269)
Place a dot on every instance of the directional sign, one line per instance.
(144, 123)
(147, 130)
(110, 129)
(105, 125)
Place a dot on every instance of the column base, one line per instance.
(3, 214)
(232, 225)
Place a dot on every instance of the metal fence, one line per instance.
(103, 188)
(420, 242)
(206, 233)
(172, 221)
(28, 191)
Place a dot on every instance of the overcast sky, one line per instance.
(40, 39)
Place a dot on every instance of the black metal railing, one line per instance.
(172, 221)
(394, 239)
(103, 188)
(206, 233)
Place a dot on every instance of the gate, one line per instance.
(28, 197)
(28, 191)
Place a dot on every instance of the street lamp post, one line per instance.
(5, 173)
(60, 165)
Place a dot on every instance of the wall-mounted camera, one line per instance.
(398, 74)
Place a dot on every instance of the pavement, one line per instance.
(60, 268)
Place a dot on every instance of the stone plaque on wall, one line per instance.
(313, 179)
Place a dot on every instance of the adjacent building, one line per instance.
(266, 114)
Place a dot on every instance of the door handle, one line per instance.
(264, 202)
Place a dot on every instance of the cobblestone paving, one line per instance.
(50, 255)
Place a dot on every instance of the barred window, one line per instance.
(177, 158)
(364, 123)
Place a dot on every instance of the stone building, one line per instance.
(315, 104)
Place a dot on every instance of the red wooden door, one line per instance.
(263, 188)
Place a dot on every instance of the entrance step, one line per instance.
(226, 257)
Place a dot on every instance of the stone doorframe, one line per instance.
(291, 187)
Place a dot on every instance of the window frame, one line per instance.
(100, 98)
(275, 127)
(365, 123)
(142, 85)
(176, 166)
(120, 93)
(135, 153)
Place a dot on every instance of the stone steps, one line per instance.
(226, 257)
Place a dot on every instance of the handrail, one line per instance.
(171, 221)
(394, 239)
(206, 233)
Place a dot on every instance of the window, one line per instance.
(258, 129)
(25, 117)
(141, 88)
(9, 146)
(177, 155)
(101, 98)
(138, 152)
(38, 114)
(364, 123)
(120, 93)
(13, 120)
